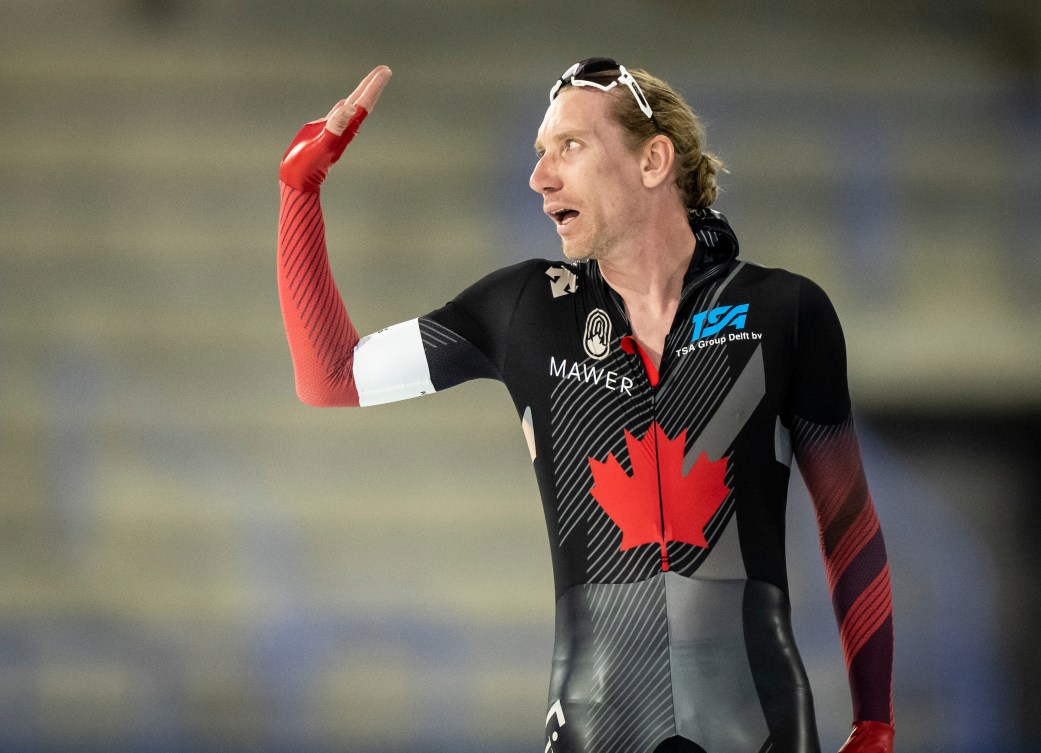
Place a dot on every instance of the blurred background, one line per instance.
(191, 560)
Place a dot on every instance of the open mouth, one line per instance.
(563, 216)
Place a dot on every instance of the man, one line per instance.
(662, 386)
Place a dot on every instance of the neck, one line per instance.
(649, 272)
(649, 277)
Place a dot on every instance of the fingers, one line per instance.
(369, 90)
(338, 105)
(338, 118)
(365, 95)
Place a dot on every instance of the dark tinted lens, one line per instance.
(593, 68)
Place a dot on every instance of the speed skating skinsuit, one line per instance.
(664, 490)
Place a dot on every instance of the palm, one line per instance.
(320, 143)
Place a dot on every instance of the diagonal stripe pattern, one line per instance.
(590, 422)
(631, 666)
(854, 558)
(321, 336)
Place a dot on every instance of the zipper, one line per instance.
(630, 345)
(657, 472)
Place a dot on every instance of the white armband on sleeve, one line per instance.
(391, 365)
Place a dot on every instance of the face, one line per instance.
(589, 180)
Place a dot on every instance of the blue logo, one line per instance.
(709, 323)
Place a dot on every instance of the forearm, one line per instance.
(332, 365)
(320, 333)
(855, 560)
(321, 336)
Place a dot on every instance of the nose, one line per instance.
(544, 177)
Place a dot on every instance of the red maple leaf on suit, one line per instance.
(657, 503)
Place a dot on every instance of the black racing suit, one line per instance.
(664, 490)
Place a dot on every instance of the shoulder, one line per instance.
(502, 291)
(786, 299)
(505, 279)
(782, 283)
(754, 273)
(541, 277)
(525, 271)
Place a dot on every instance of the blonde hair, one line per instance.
(696, 168)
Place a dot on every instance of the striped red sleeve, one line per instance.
(321, 336)
(854, 558)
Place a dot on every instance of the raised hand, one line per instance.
(319, 144)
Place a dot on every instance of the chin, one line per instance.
(582, 251)
(574, 254)
(585, 254)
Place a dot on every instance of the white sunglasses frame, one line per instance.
(624, 77)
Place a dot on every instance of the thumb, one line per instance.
(337, 121)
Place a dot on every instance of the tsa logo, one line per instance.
(710, 323)
(709, 326)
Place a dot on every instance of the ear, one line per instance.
(657, 157)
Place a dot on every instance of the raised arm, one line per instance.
(322, 339)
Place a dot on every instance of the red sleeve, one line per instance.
(828, 453)
(855, 561)
(321, 336)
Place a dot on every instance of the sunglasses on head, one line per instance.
(603, 74)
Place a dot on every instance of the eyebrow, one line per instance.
(563, 136)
